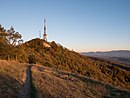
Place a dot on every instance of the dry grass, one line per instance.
(63, 59)
(52, 83)
(12, 77)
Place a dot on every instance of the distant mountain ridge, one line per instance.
(116, 55)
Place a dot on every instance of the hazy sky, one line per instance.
(81, 25)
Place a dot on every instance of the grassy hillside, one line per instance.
(62, 73)
(52, 83)
(61, 58)
(12, 77)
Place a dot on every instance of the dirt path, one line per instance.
(26, 90)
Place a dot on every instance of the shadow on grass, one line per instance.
(112, 91)
(9, 87)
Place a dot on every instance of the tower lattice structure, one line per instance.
(45, 35)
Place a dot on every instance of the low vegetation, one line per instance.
(59, 58)
(52, 83)
(63, 59)
(12, 77)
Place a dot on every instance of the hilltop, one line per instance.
(69, 64)
(56, 56)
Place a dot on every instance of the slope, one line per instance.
(56, 56)
(12, 78)
(52, 83)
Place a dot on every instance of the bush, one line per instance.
(32, 59)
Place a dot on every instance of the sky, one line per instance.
(81, 25)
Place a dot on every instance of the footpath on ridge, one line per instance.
(26, 90)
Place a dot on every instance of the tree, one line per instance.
(8, 39)
(10, 36)
(31, 59)
(14, 37)
(3, 34)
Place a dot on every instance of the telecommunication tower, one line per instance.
(45, 35)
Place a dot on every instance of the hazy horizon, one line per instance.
(105, 50)
(84, 26)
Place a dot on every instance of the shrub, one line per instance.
(31, 59)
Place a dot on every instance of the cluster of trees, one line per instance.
(9, 39)
(10, 36)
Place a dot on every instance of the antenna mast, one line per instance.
(45, 35)
(39, 34)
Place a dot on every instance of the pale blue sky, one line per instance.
(81, 25)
